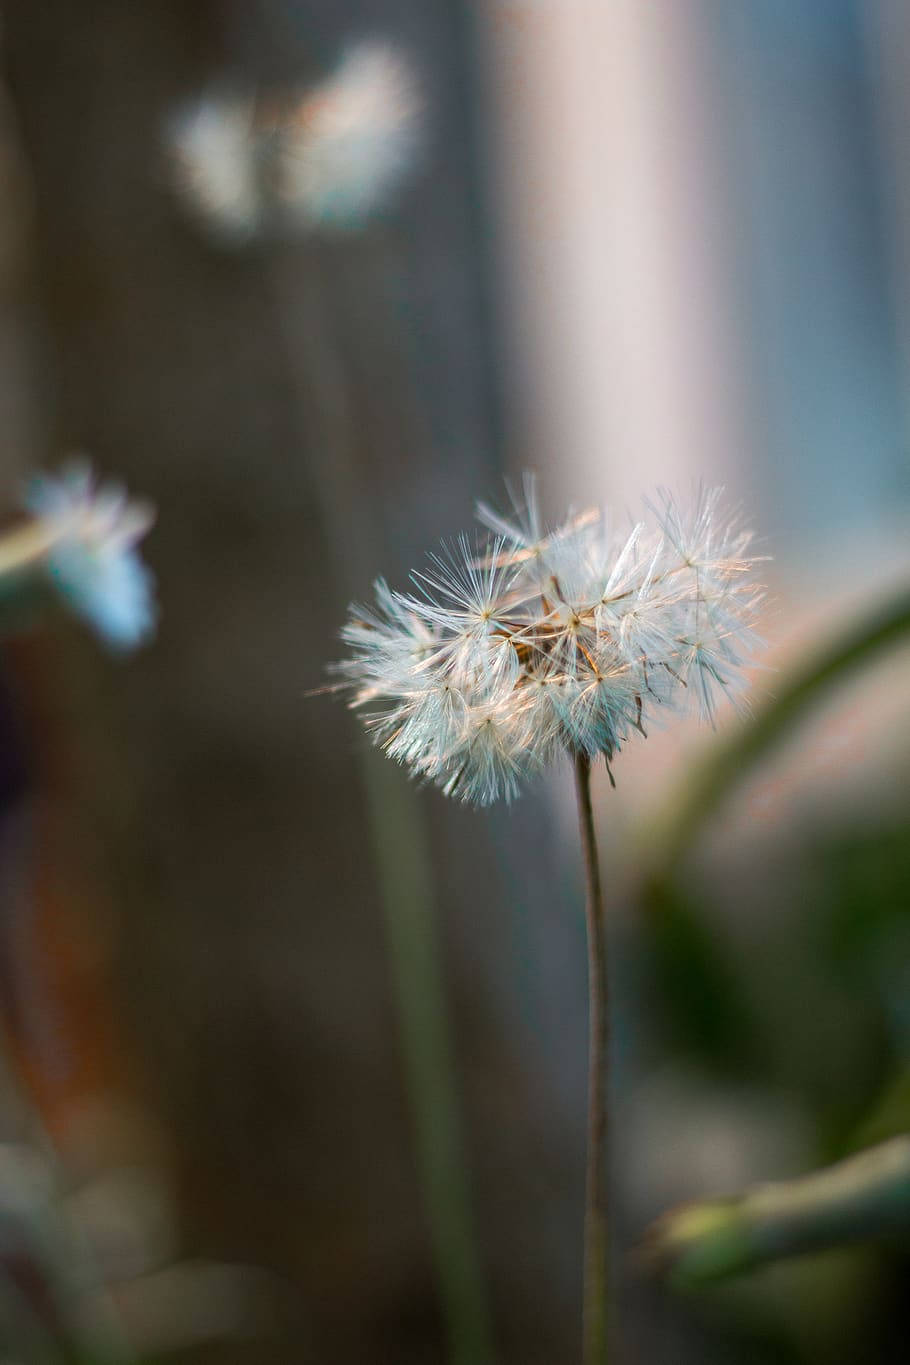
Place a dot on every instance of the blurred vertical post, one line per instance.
(615, 248)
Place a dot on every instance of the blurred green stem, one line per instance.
(26, 545)
(25, 592)
(864, 1197)
(397, 833)
(705, 790)
(596, 1228)
(420, 990)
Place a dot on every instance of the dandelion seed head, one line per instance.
(540, 640)
(93, 561)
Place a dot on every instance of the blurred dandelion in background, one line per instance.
(82, 542)
(328, 157)
(214, 165)
(349, 144)
(92, 558)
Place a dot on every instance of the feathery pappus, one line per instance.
(514, 647)
(324, 158)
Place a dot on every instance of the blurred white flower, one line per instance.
(538, 642)
(91, 557)
(213, 153)
(350, 143)
(324, 158)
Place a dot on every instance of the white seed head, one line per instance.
(541, 640)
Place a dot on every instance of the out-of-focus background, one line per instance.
(296, 1050)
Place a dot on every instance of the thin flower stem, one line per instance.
(596, 1236)
(731, 760)
(26, 545)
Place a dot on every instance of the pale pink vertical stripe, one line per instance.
(613, 247)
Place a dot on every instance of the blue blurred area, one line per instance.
(816, 260)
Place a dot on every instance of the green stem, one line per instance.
(867, 1196)
(26, 546)
(396, 829)
(406, 887)
(594, 1328)
(706, 789)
